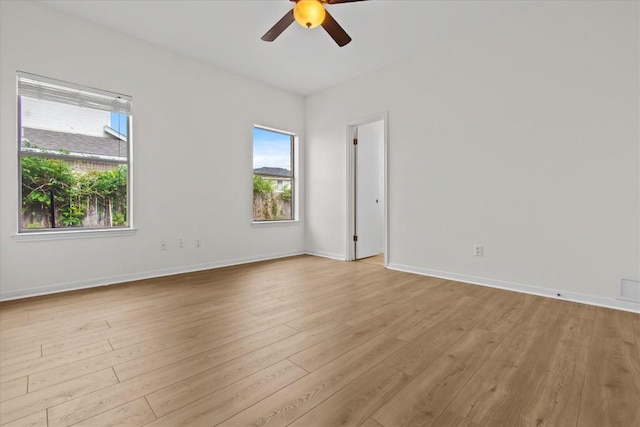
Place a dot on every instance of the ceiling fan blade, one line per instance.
(334, 29)
(341, 1)
(280, 26)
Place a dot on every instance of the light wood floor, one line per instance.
(376, 260)
(308, 341)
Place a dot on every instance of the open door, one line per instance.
(367, 184)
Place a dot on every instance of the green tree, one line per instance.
(263, 197)
(111, 187)
(46, 186)
(286, 194)
(263, 186)
(53, 192)
(108, 189)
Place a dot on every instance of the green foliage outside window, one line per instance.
(263, 186)
(269, 204)
(47, 181)
(286, 194)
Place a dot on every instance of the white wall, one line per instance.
(523, 137)
(192, 131)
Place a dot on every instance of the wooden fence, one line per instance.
(270, 206)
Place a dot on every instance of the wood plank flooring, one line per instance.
(305, 342)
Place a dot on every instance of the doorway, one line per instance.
(367, 219)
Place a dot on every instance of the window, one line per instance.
(273, 175)
(74, 152)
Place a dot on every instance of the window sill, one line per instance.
(284, 223)
(72, 234)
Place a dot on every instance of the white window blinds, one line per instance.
(38, 87)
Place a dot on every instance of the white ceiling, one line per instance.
(226, 33)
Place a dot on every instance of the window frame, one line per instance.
(38, 234)
(294, 178)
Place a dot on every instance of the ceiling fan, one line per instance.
(310, 14)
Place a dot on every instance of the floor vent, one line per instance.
(629, 290)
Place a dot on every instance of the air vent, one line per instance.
(629, 290)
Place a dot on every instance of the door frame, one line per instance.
(352, 127)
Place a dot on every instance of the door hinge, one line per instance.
(355, 238)
(355, 141)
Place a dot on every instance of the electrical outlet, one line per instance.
(196, 243)
(180, 243)
(477, 250)
(163, 246)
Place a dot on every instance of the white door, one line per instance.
(369, 190)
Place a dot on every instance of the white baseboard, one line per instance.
(527, 289)
(339, 257)
(517, 287)
(112, 280)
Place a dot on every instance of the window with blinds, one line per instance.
(75, 156)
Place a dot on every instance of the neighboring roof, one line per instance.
(268, 171)
(76, 143)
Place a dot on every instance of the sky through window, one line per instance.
(271, 149)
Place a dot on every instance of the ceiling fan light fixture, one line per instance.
(309, 13)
